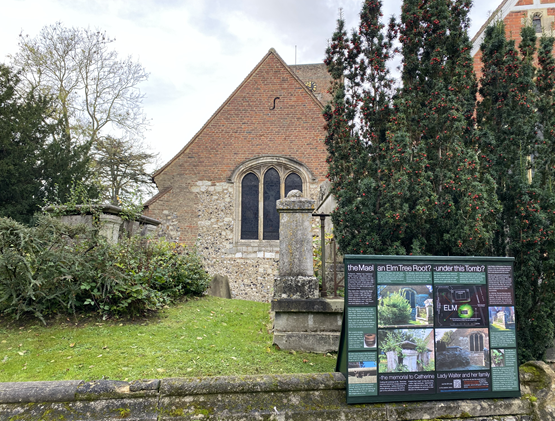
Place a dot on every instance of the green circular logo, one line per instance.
(466, 311)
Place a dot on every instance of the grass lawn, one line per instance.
(201, 337)
(498, 328)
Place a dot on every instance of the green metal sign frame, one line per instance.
(428, 328)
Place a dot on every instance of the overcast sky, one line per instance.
(196, 51)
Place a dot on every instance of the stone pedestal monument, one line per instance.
(296, 271)
(303, 321)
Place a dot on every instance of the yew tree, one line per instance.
(516, 139)
(357, 120)
(451, 205)
(403, 166)
(35, 160)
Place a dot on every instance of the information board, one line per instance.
(428, 328)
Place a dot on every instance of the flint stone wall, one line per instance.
(303, 397)
(249, 265)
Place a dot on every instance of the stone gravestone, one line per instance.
(303, 321)
(219, 287)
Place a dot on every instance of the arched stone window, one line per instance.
(259, 183)
(410, 296)
(476, 342)
(293, 182)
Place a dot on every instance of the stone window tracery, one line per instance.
(270, 223)
(249, 210)
(293, 182)
(259, 183)
(256, 196)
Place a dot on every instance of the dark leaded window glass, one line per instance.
(271, 196)
(476, 342)
(249, 207)
(293, 182)
(537, 22)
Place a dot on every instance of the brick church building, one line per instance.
(219, 191)
(514, 14)
(266, 139)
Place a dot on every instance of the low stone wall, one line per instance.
(112, 225)
(306, 397)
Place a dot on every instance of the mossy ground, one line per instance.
(200, 337)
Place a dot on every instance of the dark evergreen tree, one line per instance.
(65, 163)
(23, 132)
(513, 126)
(507, 119)
(545, 83)
(357, 121)
(36, 164)
(451, 203)
(407, 178)
(425, 171)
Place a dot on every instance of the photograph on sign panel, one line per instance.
(405, 350)
(405, 306)
(462, 349)
(501, 319)
(498, 358)
(362, 372)
(461, 306)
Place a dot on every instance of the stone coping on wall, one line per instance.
(303, 397)
(107, 209)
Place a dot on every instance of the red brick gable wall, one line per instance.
(245, 127)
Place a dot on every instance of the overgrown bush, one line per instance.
(55, 268)
(37, 267)
(394, 310)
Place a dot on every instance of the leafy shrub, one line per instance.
(36, 267)
(167, 267)
(394, 310)
(53, 267)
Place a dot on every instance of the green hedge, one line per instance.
(56, 268)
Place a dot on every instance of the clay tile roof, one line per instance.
(157, 196)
